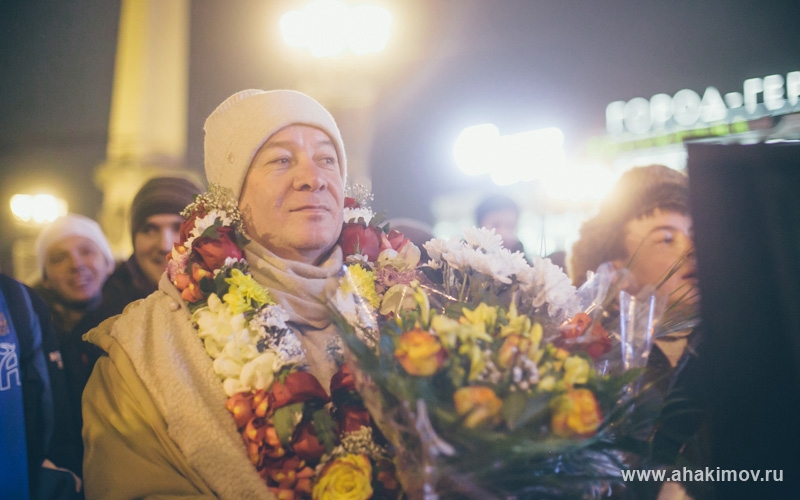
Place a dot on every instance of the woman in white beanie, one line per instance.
(155, 418)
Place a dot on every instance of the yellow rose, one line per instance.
(345, 478)
(479, 404)
(576, 370)
(576, 414)
(420, 353)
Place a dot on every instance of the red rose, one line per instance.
(357, 239)
(215, 251)
(298, 387)
(343, 380)
(306, 444)
(351, 203)
(394, 240)
(352, 418)
(186, 229)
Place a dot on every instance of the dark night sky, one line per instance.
(520, 64)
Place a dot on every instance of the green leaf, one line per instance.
(207, 285)
(285, 420)
(519, 409)
(211, 232)
(220, 285)
(325, 427)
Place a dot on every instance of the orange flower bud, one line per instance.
(261, 403)
(303, 486)
(239, 406)
(420, 353)
(576, 414)
(271, 437)
(479, 404)
(254, 432)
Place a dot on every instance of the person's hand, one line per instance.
(50, 465)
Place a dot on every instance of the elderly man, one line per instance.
(155, 223)
(156, 422)
(75, 260)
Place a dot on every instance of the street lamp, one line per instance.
(329, 27)
(38, 208)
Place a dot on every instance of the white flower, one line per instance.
(290, 351)
(226, 367)
(547, 284)
(259, 373)
(483, 239)
(270, 317)
(435, 248)
(353, 214)
(232, 386)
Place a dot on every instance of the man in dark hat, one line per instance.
(155, 225)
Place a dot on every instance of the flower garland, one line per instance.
(302, 442)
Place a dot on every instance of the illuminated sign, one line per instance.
(685, 110)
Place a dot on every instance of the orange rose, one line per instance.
(297, 387)
(479, 404)
(576, 414)
(420, 353)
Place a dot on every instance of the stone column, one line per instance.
(148, 122)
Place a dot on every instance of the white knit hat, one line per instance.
(71, 225)
(237, 129)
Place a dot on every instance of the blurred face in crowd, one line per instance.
(75, 269)
(292, 200)
(657, 243)
(154, 241)
(504, 223)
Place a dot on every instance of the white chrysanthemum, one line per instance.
(353, 214)
(547, 284)
(483, 239)
(436, 247)
(463, 258)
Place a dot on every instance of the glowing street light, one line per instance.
(329, 27)
(37, 209)
(509, 159)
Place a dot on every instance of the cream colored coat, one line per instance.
(155, 422)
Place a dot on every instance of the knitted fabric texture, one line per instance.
(237, 129)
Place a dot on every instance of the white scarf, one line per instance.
(302, 290)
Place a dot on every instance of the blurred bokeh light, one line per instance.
(38, 208)
(329, 27)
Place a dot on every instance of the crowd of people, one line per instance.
(116, 395)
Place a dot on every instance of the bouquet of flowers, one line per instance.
(489, 376)
(303, 443)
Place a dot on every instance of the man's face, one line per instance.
(657, 243)
(504, 223)
(292, 200)
(154, 241)
(75, 269)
